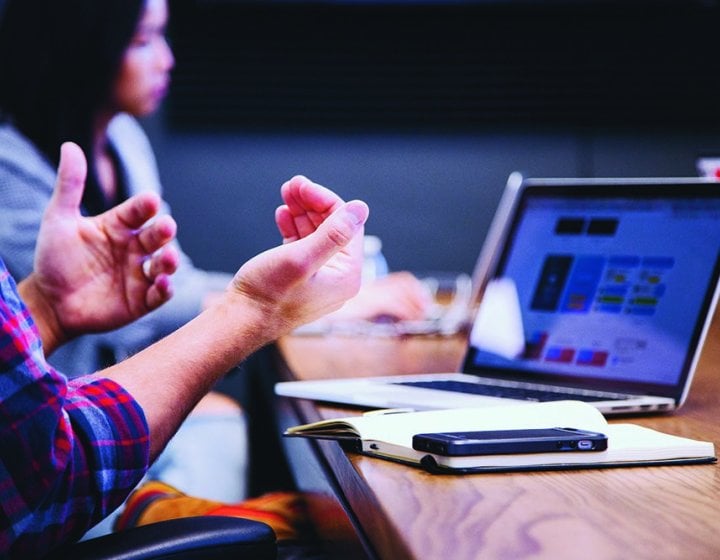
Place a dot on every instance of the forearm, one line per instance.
(190, 288)
(169, 377)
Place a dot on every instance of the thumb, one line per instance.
(70, 181)
(336, 232)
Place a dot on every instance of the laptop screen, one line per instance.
(610, 286)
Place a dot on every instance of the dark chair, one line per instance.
(187, 538)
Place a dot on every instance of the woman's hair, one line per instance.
(58, 63)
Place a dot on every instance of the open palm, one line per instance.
(91, 269)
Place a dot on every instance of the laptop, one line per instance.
(600, 290)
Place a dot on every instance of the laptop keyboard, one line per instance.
(520, 393)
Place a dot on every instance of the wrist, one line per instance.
(247, 319)
(43, 313)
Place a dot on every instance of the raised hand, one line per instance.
(98, 273)
(318, 267)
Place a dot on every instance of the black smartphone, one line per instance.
(509, 441)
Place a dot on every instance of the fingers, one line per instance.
(70, 181)
(307, 204)
(335, 233)
(164, 262)
(157, 270)
(135, 211)
(286, 224)
(157, 234)
(159, 292)
(300, 194)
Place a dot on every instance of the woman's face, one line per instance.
(144, 75)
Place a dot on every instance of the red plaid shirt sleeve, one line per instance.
(70, 452)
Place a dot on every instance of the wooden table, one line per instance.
(376, 508)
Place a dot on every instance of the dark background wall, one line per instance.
(423, 109)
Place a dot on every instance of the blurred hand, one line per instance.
(399, 296)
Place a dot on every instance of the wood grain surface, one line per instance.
(638, 512)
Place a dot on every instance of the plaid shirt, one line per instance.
(70, 452)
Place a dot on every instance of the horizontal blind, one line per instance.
(451, 66)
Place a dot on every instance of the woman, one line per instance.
(83, 70)
(79, 70)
